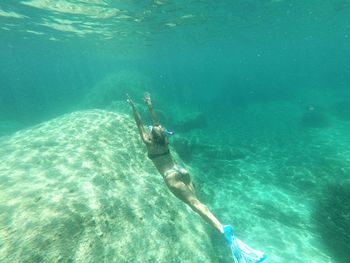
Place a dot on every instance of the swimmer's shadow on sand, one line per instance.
(332, 215)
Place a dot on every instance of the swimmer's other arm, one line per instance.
(147, 99)
(144, 136)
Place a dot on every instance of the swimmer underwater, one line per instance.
(179, 182)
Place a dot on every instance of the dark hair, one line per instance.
(159, 137)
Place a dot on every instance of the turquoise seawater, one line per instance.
(257, 92)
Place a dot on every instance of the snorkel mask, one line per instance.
(166, 131)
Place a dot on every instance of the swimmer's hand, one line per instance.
(130, 101)
(147, 99)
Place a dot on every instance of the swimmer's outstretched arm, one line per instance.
(147, 99)
(137, 117)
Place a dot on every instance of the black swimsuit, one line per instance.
(156, 155)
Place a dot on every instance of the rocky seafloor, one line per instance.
(79, 188)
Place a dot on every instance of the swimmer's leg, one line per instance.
(185, 192)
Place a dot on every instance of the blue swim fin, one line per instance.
(241, 252)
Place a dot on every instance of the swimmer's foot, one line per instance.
(241, 252)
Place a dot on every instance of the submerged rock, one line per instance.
(80, 189)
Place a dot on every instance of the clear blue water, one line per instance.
(268, 78)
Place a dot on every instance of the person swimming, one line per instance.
(176, 178)
(179, 181)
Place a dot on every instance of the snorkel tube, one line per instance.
(169, 133)
(166, 131)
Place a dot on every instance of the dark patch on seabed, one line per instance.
(332, 215)
(315, 118)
